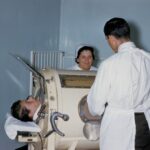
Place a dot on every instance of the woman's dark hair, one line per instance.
(20, 113)
(85, 48)
(117, 27)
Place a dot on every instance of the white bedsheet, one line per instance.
(12, 125)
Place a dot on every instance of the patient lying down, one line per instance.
(23, 117)
(26, 110)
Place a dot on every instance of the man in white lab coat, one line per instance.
(123, 82)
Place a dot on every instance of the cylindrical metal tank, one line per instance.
(64, 91)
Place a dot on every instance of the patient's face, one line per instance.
(85, 60)
(31, 104)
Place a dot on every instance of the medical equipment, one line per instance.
(65, 123)
(64, 93)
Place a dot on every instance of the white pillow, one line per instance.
(12, 125)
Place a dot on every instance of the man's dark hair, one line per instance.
(20, 113)
(117, 27)
(88, 48)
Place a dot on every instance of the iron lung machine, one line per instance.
(64, 124)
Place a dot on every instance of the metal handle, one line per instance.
(54, 116)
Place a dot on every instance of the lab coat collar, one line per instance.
(126, 46)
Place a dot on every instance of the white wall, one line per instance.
(24, 25)
(82, 21)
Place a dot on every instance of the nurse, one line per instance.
(84, 59)
(123, 82)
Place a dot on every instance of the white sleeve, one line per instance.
(99, 91)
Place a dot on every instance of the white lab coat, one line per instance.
(123, 81)
(76, 67)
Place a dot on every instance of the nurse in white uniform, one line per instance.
(84, 59)
(123, 83)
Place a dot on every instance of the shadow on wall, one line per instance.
(97, 57)
(136, 35)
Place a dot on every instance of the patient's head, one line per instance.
(25, 109)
